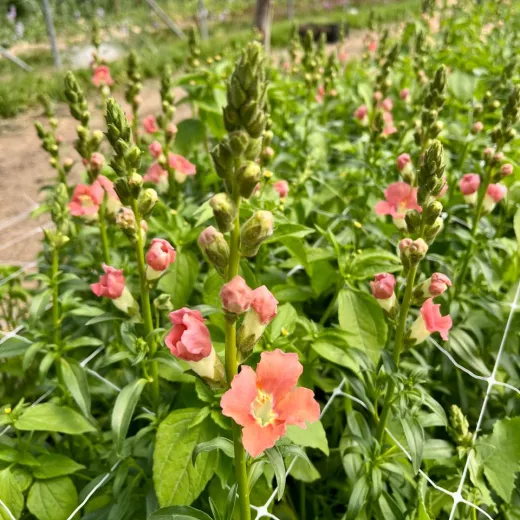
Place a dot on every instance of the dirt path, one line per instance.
(24, 167)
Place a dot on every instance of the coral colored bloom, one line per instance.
(182, 167)
(361, 113)
(372, 46)
(266, 402)
(404, 94)
(403, 160)
(264, 304)
(506, 170)
(97, 160)
(113, 202)
(282, 187)
(477, 127)
(382, 288)
(150, 125)
(495, 193)
(86, 200)
(111, 284)
(189, 338)
(155, 149)
(343, 56)
(320, 94)
(439, 283)
(400, 197)
(236, 296)
(469, 185)
(429, 321)
(387, 104)
(101, 76)
(158, 175)
(159, 256)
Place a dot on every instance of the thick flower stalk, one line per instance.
(132, 92)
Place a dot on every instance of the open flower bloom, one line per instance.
(387, 104)
(429, 321)
(320, 94)
(86, 200)
(282, 187)
(389, 127)
(372, 46)
(113, 203)
(112, 285)
(182, 167)
(189, 340)
(495, 193)
(236, 296)
(436, 285)
(160, 255)
(101, 76)
(361, 113)
(469, 185)
(400, 197)
(155, 149)
(383, 287)
(404, 94)
(150, 125)
(264, 307)
(158, 175)
(265, 402)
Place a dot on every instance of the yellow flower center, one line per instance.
(262, 409)
(86, 201)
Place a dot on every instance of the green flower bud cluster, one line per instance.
(330, 74)
(193, 61)
(383, 82)
(134, 85)
(48, 105)
(49, 141)
(382, 45)
(419, 55)
(430, 185)
(321, 51)
(59, 209)
(96, 34)
(167, 102)
(295, 46)
(504, 132)
(310, 61)
(459, 428)
(429, 127)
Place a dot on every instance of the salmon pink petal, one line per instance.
(196, 338)
(298, 407)
(236, 402)
(433, 319)
(257, 439)
(278, 373)
(97, 289)
(177, 317)
(384, 208)
(173, 338)
(397, 192)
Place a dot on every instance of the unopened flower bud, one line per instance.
(224, 210)
(146, 202)
(236, 296)
(248, 176)
(97, 160)
(135, 183)
(506, 170)
(413, 220)
(434, 230)
(125, 221)
(432, 211)
(459, 427)
(122, 189)
(238, 142)
(383, 287)
(163, 302)
(215, 248)
(417, 251)
(477, 128)
(254, 231)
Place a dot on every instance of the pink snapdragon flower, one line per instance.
(469, 185)
(320, 94)
(182, 167)
(403, 161)
(101, 76)
(97, 160)
(387, 104)
(343, 56)
(434, 286)
(86, 200)
(383, 287)
(159, 256)
(236, 296)
(282, 187)
(495, 193)
(265, 402)
(400, 197)
(429, 321)
(477, 127)
(158, 175)
(150, 125)
(112, 285)
(404, 94)
(190, 340)
(372, 46)
(506, 170)
(155, 149)
(389, 127)
(361, 113)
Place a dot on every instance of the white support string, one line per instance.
(11, 221)
(17, 273)
(33, 231)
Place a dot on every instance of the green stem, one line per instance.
(55, 296)
(398, 349)
(145, 304)
(232, 369)
(103, 231)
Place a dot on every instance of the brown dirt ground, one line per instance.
(24, 166)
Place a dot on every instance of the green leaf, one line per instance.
(87, 311)
(499, 454)
(305, 471)
(124, 410)
(462, 85)
(422, 514)
(312, 437)
(180, 281)
(278, 465)
(191, 133)
(288, 229)
(53, 499)
(357, 498)
(107, 316)
(285, 319)
(39, 303)
(53, 418)
(54, 465)
(334, 354)
(179, 513)
(517, 227)
(218, 443)
(75, 379)
(414, 434)
(84, 341)
(15, 346)
(373, 261)
(11, 495)
(362, 319)
(177, 481)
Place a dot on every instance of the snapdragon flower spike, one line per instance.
(264, 307)
(112, 285)
(434, 286)
(183, 168)
(469, 185)
(158, 175)
(265, 402)
(86, 200)
(190, 340)
(159, 256)
(430, 320)
(494, 194)
(400, 197)
(383, 287)
(236, 296)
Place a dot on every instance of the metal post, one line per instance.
(52, 34)
(268, 29)
(14, 59)
(166, 19)
(203, 17)
(290, 9)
